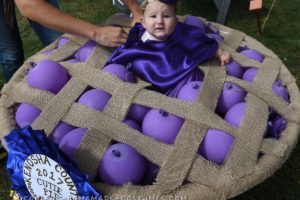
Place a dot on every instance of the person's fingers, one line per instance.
(122, 40)
(124, 35)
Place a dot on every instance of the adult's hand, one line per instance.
(110, 36)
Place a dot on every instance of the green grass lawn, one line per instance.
(281, 35)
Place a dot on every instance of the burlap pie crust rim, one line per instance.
(242, 169)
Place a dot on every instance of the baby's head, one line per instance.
(159, 17)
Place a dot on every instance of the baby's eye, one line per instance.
(153, 16)
(166, 16)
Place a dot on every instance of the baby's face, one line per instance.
(159, 19)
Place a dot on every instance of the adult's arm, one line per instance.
(47, 15)
(135, 9)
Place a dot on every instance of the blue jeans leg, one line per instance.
(10, 61)
(11, 49)
(46, 35)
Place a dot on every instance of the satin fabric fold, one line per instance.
(165, 63)
(23, 143)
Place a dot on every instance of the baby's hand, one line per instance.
(225, 58)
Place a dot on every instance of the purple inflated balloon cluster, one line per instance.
(217, 144)
(45, 75)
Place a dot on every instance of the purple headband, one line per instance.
(169, 1)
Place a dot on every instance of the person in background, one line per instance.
(49, 23)
(11, 48)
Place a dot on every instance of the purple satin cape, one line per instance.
(165, 63)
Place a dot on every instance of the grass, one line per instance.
(281, 35)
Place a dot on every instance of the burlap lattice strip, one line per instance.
(247, 142)
(59, 54)
(189, 191)
(121, 99)
(246, 62)
(65, 51)
(233, 39)
(94, 77)
(178, 163)
(7, 121)
(21, 92)
(288, 111)
(270, 67)
(242, 143)
(59, 105)
(254, 44)
(98, 57)
(212, 87)
(92, 149)
(187, 110)
(242, 60)
(273, 147)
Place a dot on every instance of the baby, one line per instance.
(160, 19)
(166, 52)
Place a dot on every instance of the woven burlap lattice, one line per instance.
(178, 162)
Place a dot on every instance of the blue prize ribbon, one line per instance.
(25, 142)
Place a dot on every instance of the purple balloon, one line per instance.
(280, 90)
(250, 74)
(137, 112)
(117, 70)
(195, 21)
(234, 69)
(62, 41)
(161, 126)
(121, 164)
(26, 114)
(60, 131)
(190, 91)
(121, 72)
(215, 145)
(71, 141)
(48, 75)
(133, 124)
(83, 52)
(276, 127)
(235, 114)
(215, 36)
(94, 98)
(231, 95)
(253, 54)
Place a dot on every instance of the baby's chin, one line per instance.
(161, 37)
